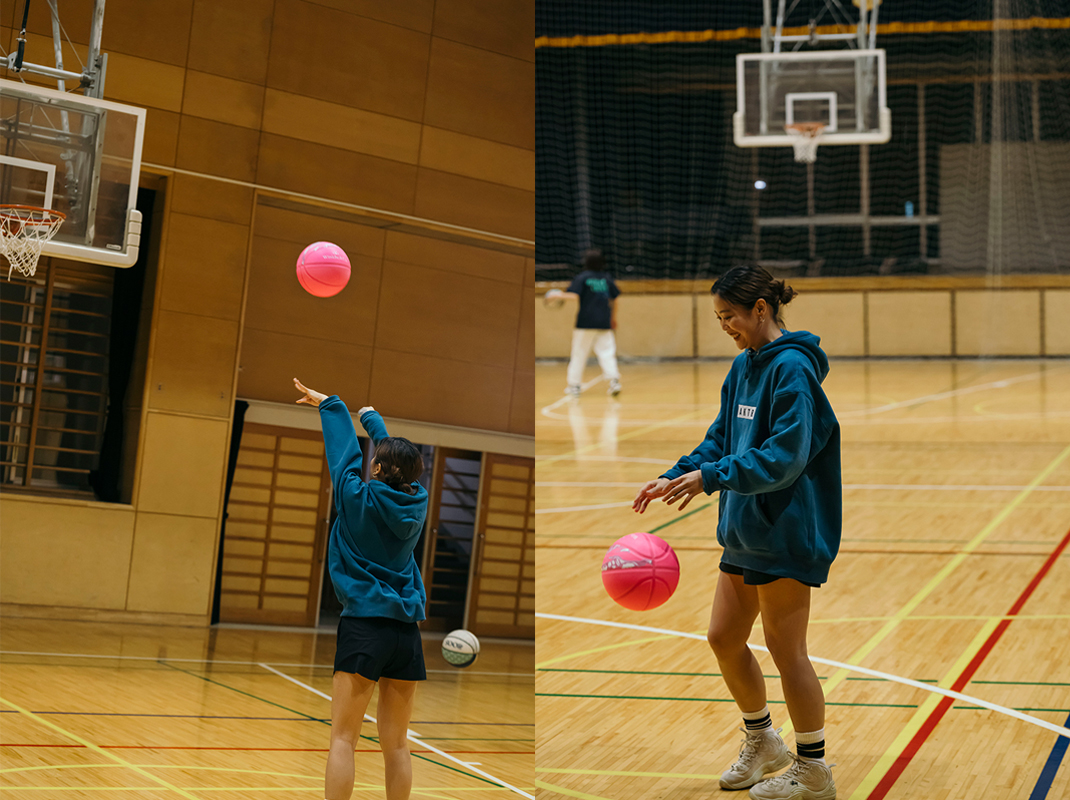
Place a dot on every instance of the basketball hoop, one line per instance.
(23, 231)
(805, 137)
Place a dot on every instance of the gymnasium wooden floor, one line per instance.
(134, 711)
(953, 573)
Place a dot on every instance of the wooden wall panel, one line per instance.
(142, 81)
(201, 197)
(159, 32)
(205, 272)
(304, 228)
(489, 24)
(313, 120)
(160, 145)
(270, 361)
(223, 99)
(63, 553)
(325, 48)
(161, 543)
(553, 329)
(480, 262)
(655, 325)
(522, 408)
(525, 339)
(448, 151)
(837, 317)
(1000, 323)
(232, 38)
(276, 302)
(183, 462)
(412, 386)
(1056, 329)
(217, 149)
(475, 204)
(480, 93)
(447, 315)
(909, 323)
(415, 14)
(322, 171)
(193, 364)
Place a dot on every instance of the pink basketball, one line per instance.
(323, 269)
(640, 571)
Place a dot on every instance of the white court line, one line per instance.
(943, 487)
(583, 508)
(626, 459)
(1000, 384)
(566, 397)
(413, 736)
(1010, 712)
(244, 663)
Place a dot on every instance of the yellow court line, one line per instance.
(625, 437)
(922, 713)
(99, 750)
(942, 618)
(567, 792)
(903, 613)
(602, 649)
(625, 773)
(686, 37)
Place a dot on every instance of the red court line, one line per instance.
(271, 749)
(904, 759)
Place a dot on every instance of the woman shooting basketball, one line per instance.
(773, 453)
(375, 576)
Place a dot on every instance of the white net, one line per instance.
(805, 138)
(23, 231)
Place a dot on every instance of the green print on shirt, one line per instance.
(598, 285)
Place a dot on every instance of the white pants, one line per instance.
(605, 350)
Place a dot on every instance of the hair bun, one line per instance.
(784, 293)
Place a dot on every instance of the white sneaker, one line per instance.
(614, 387)
(762, 753)
(806, 780)
(573, 390)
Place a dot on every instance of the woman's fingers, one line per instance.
(687, 500)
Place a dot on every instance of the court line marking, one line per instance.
(567, 792)
(241, 663)
(883, 775)
(1051, 766)
(933, 487)
(626, 459)
(409, 734)
(622, 773)
(85, 742)
(545, 410)
(953, 563)
(1010, 712)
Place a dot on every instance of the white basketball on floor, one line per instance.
(460, 648)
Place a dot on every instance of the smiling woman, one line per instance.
(747, 302)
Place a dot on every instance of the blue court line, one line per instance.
(1051, 766)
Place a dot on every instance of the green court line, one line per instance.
(673, 521)
(720, 675)
(714, 700)
(317, 719)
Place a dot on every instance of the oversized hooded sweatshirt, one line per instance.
(773, 453)
(370, 553)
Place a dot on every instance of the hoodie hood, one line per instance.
(402, 512)
(803, 341)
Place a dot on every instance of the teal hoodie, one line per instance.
(370, 553)
(774, 454)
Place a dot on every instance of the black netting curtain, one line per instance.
(634, 149)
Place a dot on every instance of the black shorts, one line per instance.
(377, 647)
(754, 578)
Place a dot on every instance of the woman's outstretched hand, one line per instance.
(651, 490)
(312, 397)
(686, 486)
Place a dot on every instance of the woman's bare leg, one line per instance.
(349, 701)
(735, 607)
(394, 713)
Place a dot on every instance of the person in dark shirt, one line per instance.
(597, 292)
